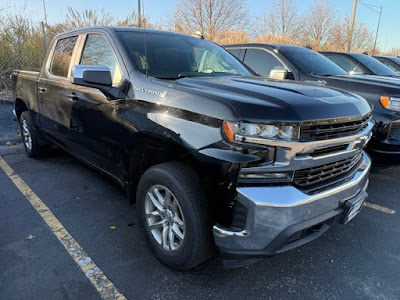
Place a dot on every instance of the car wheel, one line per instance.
(30, 135)
(172, 209)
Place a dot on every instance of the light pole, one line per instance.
(377, 30)
(377, 9)
(353, 17)
(140, 13)
(44, 24)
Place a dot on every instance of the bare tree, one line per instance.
(276, 39)
(281, 20)
(210, 17)
(393, 52)
(363, 39)
(318, 23)
(235, 36)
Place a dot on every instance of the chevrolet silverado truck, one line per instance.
(392, 62)
(210, 153)
(359, 64)
(303, 64)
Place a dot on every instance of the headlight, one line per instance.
(391, 103)
(243, 132)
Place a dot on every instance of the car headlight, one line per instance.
(253, 132)
(391, 103)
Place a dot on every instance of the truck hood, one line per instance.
(393, 82)
(258, 99)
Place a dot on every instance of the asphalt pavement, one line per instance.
(360, 260)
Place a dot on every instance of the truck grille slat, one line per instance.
(311, 176)
(333, 130)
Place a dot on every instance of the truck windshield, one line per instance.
(395, 59)
(313, 63)
(170, 56)
(374, 65)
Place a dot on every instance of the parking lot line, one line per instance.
(380, 208)
(103, 285)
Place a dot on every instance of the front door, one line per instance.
(95, 125)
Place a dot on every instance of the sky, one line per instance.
(158, 10)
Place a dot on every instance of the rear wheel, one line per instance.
(172, 209)
(30, 135)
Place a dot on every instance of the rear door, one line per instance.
(53, 90)
(262, 61)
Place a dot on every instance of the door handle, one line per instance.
(42, 89)
(72, 96)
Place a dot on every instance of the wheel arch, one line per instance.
(20, 106)
(148, 150)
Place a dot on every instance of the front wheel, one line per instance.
(173, 211)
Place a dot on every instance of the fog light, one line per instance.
(245, 177)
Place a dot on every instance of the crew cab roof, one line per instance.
(275, 47)
(114, 29)
(345, 53)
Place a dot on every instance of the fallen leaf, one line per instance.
(30, 237)
(9, 144)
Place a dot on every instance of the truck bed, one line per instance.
(25, 86)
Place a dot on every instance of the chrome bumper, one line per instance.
(274, 213)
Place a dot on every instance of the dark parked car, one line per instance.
(391, 62)
(303, 64)
(360, 64)
(210, 153)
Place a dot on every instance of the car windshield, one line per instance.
(374, 65)
(173, 56)
(313, 63)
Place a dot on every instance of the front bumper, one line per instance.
(386, 141)
(280, 218)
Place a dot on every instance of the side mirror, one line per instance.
(88, 75)
(279, 74)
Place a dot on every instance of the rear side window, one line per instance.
(98, 51)
(261, 61)
(346, 64)
(62, 56)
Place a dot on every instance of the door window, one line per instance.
(262, 61)
(98, 51)
(234, 52)
(346, 64)
(62, 56)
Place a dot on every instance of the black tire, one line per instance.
(197, 245)
(36, 145)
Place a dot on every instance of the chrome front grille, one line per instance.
(308, 177)
(322, 131)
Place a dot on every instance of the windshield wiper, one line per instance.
(179, 76)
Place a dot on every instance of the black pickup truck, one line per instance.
(303, 64)
(392, 62)
(210, 153)
(359, 64)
